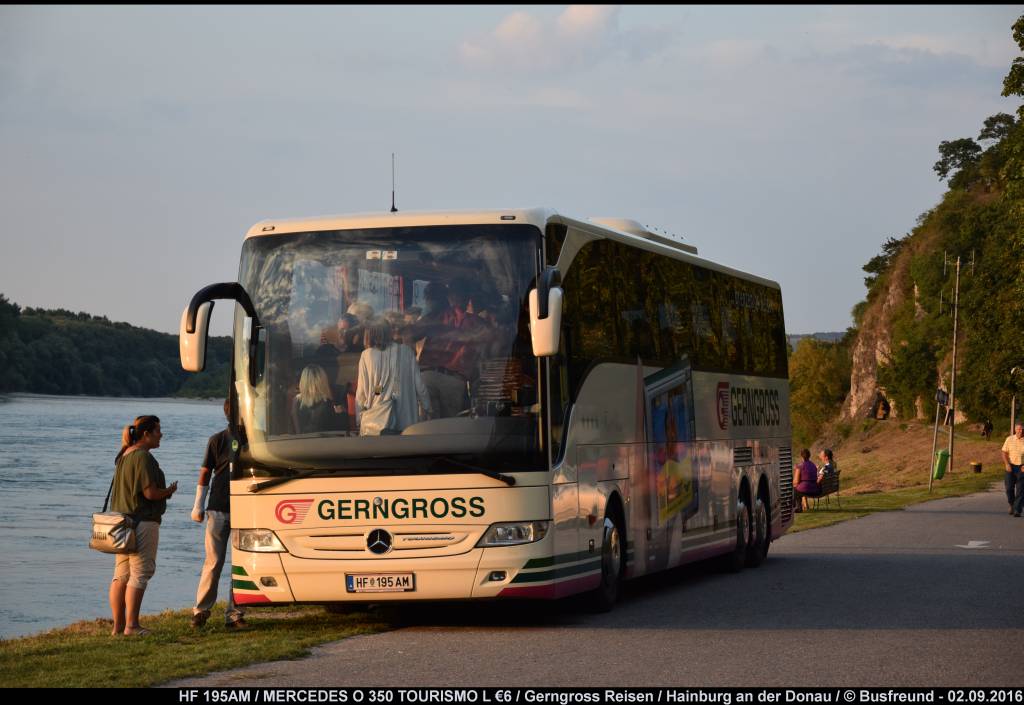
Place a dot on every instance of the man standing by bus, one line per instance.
(1013, 456)
(220, 451)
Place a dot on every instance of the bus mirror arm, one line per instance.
(195, 321)
(551, 277)
(546, 313)
(225, 290)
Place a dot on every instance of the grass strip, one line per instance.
(860, 505)
(84, 654)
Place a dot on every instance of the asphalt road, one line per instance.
(929, 596)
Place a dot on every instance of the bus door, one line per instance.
(672, 464)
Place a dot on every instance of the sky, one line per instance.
(139, 144)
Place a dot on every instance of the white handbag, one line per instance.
(112, 532)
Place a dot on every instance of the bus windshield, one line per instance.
(389, 343)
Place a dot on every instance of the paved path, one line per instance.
(930, 596)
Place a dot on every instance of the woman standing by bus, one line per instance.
(140, 491)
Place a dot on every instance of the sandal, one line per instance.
(141, 631)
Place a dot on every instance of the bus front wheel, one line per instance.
(604, 597)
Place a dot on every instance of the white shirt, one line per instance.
(1014, 447)
(396, 371)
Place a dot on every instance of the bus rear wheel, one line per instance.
(604, 597)
(757, 550)
(735, 561)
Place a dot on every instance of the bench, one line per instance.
(829, 486)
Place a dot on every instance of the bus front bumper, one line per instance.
(524, 571)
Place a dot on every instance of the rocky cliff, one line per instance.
(873, 344)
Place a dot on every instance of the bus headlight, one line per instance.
(258, 541)
(513, 533)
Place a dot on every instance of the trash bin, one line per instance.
(941, 461)
(976, 466)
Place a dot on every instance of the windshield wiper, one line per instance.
(438, 464)
(274, 482)
(507, 479)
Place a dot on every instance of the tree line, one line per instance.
(57, 351)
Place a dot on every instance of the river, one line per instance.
(56, 463)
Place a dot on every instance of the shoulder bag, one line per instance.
(112, 532)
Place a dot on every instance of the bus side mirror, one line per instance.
(546, 314)
(192, 346)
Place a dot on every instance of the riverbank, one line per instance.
(84, 654)
(56, 464)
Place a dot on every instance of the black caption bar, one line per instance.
(574, 696)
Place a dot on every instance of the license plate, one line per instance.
(381, 582)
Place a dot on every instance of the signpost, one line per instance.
(941, 399)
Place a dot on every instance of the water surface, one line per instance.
(56, 463)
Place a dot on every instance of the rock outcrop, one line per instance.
(874, 343)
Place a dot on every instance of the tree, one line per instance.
(819, 378)
(1013, 84)
(956, 155)
(997, 127)
(9, 313)
(878, 264)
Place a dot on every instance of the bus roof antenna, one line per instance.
(393, 209)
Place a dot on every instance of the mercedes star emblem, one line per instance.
(379, 541)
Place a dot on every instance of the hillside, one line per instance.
(900, 350)
(904, 344)
(878, 456)
(62, 352)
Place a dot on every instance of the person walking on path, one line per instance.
(220, 451)
(1013, 455)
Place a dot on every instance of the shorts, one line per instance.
(137, 568)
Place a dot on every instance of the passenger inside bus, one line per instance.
(314, 410)
(388, 375)
(449, 353)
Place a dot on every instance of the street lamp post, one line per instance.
(952, 382)
(1013, 400)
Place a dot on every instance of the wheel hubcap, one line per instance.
(611, 562)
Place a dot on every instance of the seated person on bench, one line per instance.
(828, 467)
(805, 481)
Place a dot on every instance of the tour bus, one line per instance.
(618, 406)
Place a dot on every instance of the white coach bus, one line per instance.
(584, 401)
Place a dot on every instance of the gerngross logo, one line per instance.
(292, 511)
(723, 406)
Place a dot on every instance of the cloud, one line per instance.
(919, 68)
(730, 53)
(580, 37)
